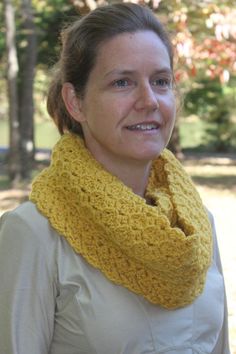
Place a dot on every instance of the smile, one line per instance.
(144, 127)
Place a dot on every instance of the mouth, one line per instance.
(144, 126)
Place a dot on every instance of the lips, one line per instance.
(144, 126)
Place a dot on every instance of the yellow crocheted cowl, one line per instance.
(161, 252)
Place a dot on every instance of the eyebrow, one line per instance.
(164, 70)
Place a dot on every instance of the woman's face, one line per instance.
(128, 110)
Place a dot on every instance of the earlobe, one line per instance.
(71, 101)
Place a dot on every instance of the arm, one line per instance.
(222, 345)
(27, 288)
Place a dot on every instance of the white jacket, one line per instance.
(53, 302)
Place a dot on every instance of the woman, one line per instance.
(113, 252)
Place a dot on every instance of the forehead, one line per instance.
(138, 48)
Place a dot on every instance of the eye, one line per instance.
(164, 83)
(122, 83)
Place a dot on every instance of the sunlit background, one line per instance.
(204, 38)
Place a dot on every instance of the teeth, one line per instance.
(143, 127)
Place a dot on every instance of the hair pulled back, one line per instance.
(80, 45)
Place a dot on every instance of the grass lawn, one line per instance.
(45, 134)
(3, 133)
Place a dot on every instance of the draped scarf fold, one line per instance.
(160, 251)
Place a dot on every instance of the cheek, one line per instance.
(117, 112)
(107, 106)
(168, 106)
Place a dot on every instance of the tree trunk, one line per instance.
(14, 163)
(26, 81)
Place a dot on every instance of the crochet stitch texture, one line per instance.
(161, 252)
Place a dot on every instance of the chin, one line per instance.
(147, 157)
(152, 154)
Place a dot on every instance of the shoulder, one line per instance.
(216, 251)
(26, 218)
(26, 235)
(210, 216)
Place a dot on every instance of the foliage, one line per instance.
(50, 17)
(214, 105)
(207, 99)
(2, 39)
(204, 36)
(204, 32)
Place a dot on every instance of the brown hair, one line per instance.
(80, 44)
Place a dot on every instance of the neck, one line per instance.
(134, 174)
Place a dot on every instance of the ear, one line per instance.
(72, 102)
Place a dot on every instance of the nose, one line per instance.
(147, 98)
